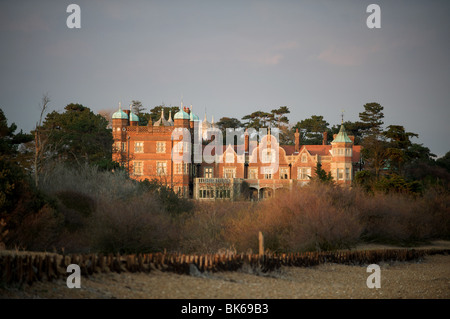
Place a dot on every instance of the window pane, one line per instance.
(160, 147)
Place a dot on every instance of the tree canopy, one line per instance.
(274, 118)
(78, 136)
(9, 140)
(155, 112)
(139, 109)
(372, 119)
(311, 129)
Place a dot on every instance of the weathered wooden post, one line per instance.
(261, 257)
(261, 244)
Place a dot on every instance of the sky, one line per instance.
(231, 58)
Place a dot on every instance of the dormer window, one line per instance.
(304, 158)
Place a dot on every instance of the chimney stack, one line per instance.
(325, 138)
(297, 141)
(128, 115)
(246, 140)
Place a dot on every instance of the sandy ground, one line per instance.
(428, 278)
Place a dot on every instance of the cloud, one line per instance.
(346, 56)
(269, 59)
(287, 45)
(270, 56)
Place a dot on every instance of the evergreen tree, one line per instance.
(139, 110)
(78, 136)
(312, 129)
(321, 175)
(375, 147)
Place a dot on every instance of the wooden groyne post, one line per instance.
(261, 244)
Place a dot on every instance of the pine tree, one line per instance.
(322, 176)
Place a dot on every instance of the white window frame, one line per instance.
(304, 158)
(268, 173)
(138, 168)
(159, 166)
(339, 174)
(182, 168)
(253, 173)
(228, 170)
(303, 173)
(160, 147)
(208, 172)
(284, 171)
(348, 152)
(139, 147)
(179, 147)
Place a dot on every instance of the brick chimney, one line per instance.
(325, 138)
(352, 137)
(297, 141)
(128, 114)
(246, 141)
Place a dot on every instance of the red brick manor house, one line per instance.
(146, 152)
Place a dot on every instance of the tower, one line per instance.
(120, 122)
(182, 118)
(341, 151)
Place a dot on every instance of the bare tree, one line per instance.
(107, 114)
(40, 140)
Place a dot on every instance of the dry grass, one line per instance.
(92, 210)
(318, 217)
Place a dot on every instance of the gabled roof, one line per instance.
(322, 150)
(289, 149)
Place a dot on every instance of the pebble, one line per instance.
(428, 279)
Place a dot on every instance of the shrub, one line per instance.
(404, 219)
(208, 229)
(172, 203)
(90, 210)
(76, 209)
(314, 217)
(39, 231)
(132, 226)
